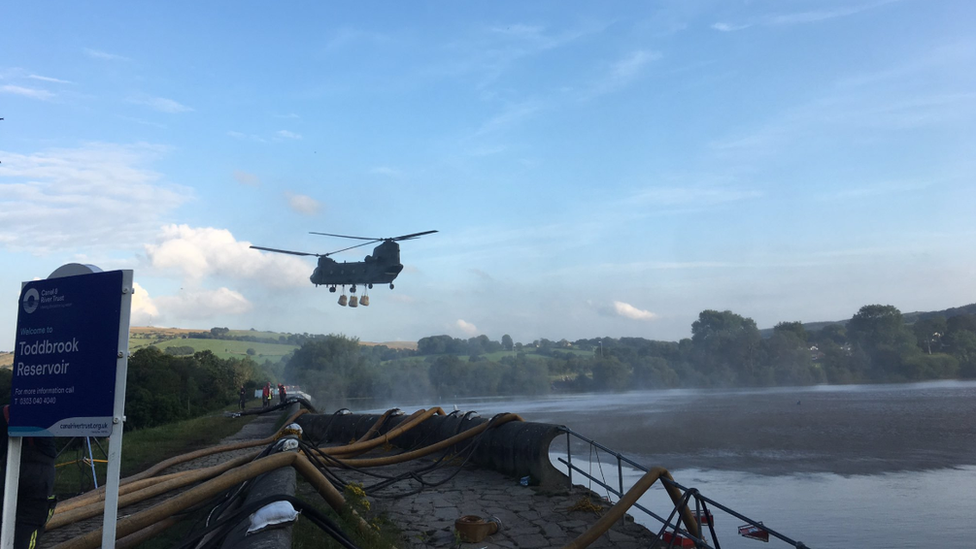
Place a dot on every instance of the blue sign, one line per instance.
(66, 356)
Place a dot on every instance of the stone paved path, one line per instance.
(531, 518)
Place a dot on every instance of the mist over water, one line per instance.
(832, 466)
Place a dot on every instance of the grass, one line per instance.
(225, 348)
(306, 535)
(142, 449)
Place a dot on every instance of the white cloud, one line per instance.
(285, 134)
(690, 196)
(98, 54)
(49, 79)
(510, 116)
(466, 327)
(200, 252)
(202, 304)
(33, 93)
(143, 308)
(303, 204)
(161, 104)
(246, 137)
(626, 69)
(797, 18)
(384, 170)
(621, 73)
(727, 27)
(99, 196)
(629, 311)
(246, 178)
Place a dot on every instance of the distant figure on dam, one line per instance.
(243, 396)
(282, 394)
(266, 395)
(35, 496)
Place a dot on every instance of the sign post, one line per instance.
(69, 372)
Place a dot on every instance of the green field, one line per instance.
(225, 348)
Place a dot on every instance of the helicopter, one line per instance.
(381, 267)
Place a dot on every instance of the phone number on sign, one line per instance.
(35, 400)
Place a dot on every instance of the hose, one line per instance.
(617, 512)
(407, 456)
(63, 517)
(93, 498)
(207, 452)
(357, 448)
(203, 492)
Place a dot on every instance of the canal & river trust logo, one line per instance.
(32, 300)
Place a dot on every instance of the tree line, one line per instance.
(725, 350)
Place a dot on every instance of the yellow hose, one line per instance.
(360, 447)
(617, 512)
(208, 451)
(426, 450)
(134, 539)
(198, 494)
(88, 509)
(376, 426)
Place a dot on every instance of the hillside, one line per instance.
(910, 318)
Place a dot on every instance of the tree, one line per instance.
(792, 327)
(929, 332)
(326, 366)
(881, 332)
(609, 374)
(507, 342)
(725, 348)
(787, 358)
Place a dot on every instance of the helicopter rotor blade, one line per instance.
(395, 238)
(411, 236)
(351, 247)
(276, 250)
(346, 236)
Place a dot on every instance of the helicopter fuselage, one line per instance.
(382, 267)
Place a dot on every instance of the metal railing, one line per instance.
(669, 524)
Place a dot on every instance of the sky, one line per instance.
(593, 168)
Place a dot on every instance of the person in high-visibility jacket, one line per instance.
(266, 395)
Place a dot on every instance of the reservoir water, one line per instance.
(889, 466)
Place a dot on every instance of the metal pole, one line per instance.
(10, 493)
(110, 518)
(569, 460)
(91, 461)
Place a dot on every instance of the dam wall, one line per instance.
(517, 448)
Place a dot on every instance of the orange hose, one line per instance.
(88, 509)
(616, 512)
(144, 519)
(426, 450)
(360, 447)
(208, 451)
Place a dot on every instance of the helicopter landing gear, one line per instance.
(332, 289)
(370, 286)
(352, 289)
(391, 285)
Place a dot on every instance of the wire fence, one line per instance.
(672, 532)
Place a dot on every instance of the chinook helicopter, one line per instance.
(381, 267)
